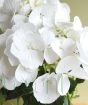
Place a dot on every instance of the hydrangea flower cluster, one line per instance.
(39, 34)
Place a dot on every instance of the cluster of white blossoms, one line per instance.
(39, 33)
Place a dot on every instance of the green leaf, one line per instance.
(2, 98)
(74, 83)
(79, 80)
(18, 92)
(59, 101)
(30, 100)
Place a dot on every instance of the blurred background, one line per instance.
(78, 8)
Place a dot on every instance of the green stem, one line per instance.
(18, 100)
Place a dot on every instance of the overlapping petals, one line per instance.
(39, 44)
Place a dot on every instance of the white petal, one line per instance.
(7, 72)
(83, 58)
(10, 83)
(84, 40)
(6, 12)
(72, 66)
(11, 5)
(25, 10)
(48, 16)
(35, 3)
(5, 22)
(73, 34)
(50, 56)
(51, 1)
(28, 37)
(62, 13)
(45, 88)
(5, 68)
(63, 85)
(85, 67)
(3, 38)
(24, 75)
(29, 58)
(63, 47)
(35, 16)
(18, 19)
(47, 35)
(77, 25)
(12, 59)
(28, 47)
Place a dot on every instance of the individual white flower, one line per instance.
(45, 88)
(28, 46)
(48, 36)
(49, 87)
(26, 75)
(69, 29)
(66, 36)
(42, 15)
(71, 65)
(63, 46)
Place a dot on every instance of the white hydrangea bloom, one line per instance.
(41, 34)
